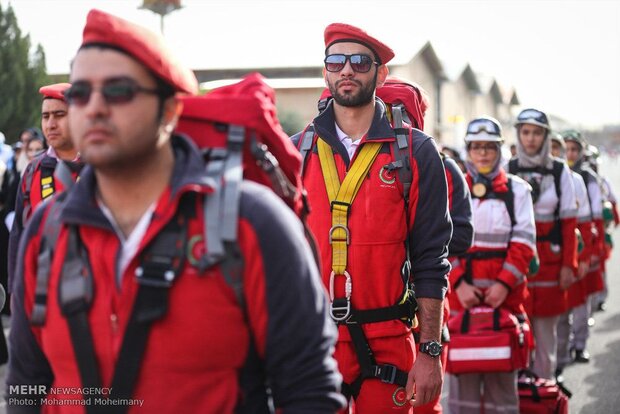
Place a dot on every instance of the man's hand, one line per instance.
(567, 277)
(496, 295)
(424, 380)
(583, 268)
(468, 295)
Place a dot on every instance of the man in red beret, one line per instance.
(39, 181)
(378, 233)
(123, 308)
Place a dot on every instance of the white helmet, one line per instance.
(484, 129)
(534, 117)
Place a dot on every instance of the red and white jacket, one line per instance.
(493, 231)
(576, 292)
(546, 296)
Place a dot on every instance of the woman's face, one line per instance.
(483, 154)
(34, 147)
(531, 138)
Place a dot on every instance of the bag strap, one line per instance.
(63, 173)
(27, 179)
(305, 145)
(49, 239)
(466, 320)
(161, 263)
(508, 198)
(223, 166)
(48, 185)
(402, 163)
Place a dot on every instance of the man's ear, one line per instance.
(382, 74)
(172, 111)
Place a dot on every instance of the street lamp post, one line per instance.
(161, 7)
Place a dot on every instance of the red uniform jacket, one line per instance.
(206, 355)
(377, 221)
(41, 167)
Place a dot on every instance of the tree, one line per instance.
(21, 75)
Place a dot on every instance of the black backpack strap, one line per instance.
(161, 263)
(513, 166)
(27, 180)
(556, 171)
(75, 296)
(401, 149)
(48, 185)
(49, 238)
(555, 235)
(369, 368)
(509, 199)
(305, 145)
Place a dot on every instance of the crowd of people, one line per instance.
(412, 253)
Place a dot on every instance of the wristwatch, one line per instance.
(431, 348)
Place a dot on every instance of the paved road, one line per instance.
(595, 386)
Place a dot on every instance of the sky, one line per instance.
(561, 56)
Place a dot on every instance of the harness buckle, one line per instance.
(155, 275)
(346, 231)
(405, 270)
(386, 373)
(336, 203)
(337, 311)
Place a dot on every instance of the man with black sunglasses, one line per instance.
(378, 234)
(123, 311)
(39, 181)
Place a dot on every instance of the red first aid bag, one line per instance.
(483, 339)
(541, 396)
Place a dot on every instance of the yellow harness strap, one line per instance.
(341, 196)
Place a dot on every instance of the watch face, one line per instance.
(434, 349)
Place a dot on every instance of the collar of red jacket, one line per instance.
(188, 174)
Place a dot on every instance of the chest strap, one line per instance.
(341, 198)
(160, 264)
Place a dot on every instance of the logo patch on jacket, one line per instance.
(399, 397)
(195, 250)
(387, 176)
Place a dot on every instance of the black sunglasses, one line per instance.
(114, 91)
(359, 63)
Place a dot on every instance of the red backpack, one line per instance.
(241, 138)
(240, 120)
(411, 97)
(408, 97)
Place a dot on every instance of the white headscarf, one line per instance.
(541, 159)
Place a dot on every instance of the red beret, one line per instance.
(145, 46)
(55, 91)
(340, 32)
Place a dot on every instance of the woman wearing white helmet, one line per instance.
(555, 212)
(575, 319)
(493, 271)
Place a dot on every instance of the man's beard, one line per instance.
(364, 96)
